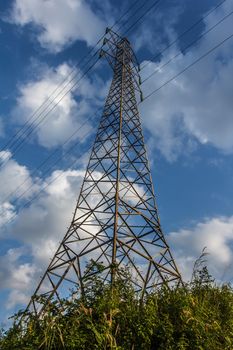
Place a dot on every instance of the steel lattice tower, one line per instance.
(116, 220)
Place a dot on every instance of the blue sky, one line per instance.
(188, 126)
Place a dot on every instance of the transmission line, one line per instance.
(148, 96)
(55, 163)
(134, 13)
(44, 187)
(11, 142)
(50, 157)
(8, 144)
(189, 45)
(183, 33)
(116, 22)
(69, 138)
(14, 139)
(188, 66)
(19, 145)
(85, 122)
(142, 16)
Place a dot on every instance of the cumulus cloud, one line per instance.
(18, 186)
(59, 23)
(163, 23)
(13, 175)
(17, 297)
(197, 106)
(16, 276)
(63, 111)
(7, 212)
(216, 234)
(38, 228)
(42, 224)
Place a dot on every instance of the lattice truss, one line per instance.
(116, 220)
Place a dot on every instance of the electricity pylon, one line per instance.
(115, 222)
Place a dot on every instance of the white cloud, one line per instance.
(198, 104)
(163, 22)
(18, 186)
(17, 297)
(13, 175)
(65, 111)
(43, 223)
(7, 212)
(216, 234)
(4, 156)
(38, 228)
(16, 276)
(58, 22)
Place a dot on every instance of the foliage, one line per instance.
(198, 315)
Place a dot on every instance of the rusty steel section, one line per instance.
(115, 222)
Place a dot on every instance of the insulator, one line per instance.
(101, 54)
(141, 96)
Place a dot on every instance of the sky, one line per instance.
(187, 123)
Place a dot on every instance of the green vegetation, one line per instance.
(198, 315)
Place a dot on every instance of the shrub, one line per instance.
(198, 315)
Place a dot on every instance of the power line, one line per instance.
(143, 15)
(148, 96)
(189, 66)
(118, 21)
(51, 103)
(86, 120)
(49, 157)
(13, 139)
(105, 228)
(85, 123)
(135, 12)
(124, 14)
(55, 163)
(42, 190)
(73, 70)
(158, 88)
(8, 144)
(189, 45)
(19, 145)
(183, 33)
